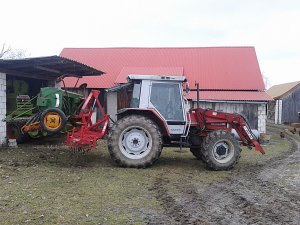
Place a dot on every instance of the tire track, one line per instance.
(177, 210)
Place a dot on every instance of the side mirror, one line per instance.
(187, 87)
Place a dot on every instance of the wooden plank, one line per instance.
(296, 125)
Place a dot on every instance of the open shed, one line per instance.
(27, 76)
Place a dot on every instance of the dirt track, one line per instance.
(268, 194)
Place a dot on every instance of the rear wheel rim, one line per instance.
(223, 151)
(135, 142)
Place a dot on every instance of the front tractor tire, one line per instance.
(221, 151)
(135, 141)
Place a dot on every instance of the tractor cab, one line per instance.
(163, 95)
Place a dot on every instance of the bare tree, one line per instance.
(266, 81)
(4, 50)
(8, 53)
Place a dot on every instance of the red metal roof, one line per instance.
(215, 68)
(230, 95)
(169, 71)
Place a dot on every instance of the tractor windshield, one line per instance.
(166, 98)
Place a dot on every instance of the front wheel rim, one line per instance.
(135, 142)
(223, 151)
(52, 121)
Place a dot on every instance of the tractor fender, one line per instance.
(150, 113)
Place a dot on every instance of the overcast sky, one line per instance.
(272, 26)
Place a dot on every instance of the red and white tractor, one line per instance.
(157, 115)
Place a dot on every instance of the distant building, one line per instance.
(229, 77)
(285, 108)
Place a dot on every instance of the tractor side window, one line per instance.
(135, 100)
(166, 98)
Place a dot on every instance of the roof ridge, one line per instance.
(159, 47)
(293, 82)
(280, 90)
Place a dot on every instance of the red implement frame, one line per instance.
(214, 120)
(85, 136)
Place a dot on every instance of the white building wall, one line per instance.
(222, 106)
(278, 111)
(262, 118)
(2, 108)
(112, 105)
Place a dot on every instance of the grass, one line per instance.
(275, 148)
(42, 184)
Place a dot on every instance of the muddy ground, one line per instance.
(268, 194)
(43, 184)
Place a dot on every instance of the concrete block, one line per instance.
(3, 99)
(12, 143)
(3, 111)
(2, 129)
(2, 140)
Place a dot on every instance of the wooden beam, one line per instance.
(47, 69)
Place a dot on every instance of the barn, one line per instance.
(285, 108)
(229, 78)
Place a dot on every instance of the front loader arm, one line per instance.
(209, 120)
(245, 133)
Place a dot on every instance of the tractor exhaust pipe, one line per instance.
(197, 86)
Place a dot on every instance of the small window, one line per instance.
(135, 100)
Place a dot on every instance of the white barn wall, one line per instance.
(238, 108)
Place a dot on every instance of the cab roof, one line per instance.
(156, 77)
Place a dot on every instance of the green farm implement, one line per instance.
(46, 113)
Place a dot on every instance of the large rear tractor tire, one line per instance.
(135, 141)
(221, 151)
(53, 120)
